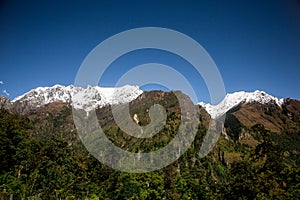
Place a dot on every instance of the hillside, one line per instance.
(256, 157)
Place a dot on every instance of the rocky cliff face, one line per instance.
(5, 103)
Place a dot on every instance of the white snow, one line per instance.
(94, 96)
(232, 100)
(81, 98)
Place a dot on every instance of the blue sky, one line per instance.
(255, 44)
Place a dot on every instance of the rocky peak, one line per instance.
(5, 103)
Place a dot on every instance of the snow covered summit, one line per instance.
(94, 96)
(81, 98)
(232, 100)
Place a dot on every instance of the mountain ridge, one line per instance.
(234, 99)
(87, 98)
(94, 96)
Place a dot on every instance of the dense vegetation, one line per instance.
(55, 165)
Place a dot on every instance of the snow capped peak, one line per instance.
(44, 95)
(233, 99)
(93, 97)
(81, 98)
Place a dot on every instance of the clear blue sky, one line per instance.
(255, 44)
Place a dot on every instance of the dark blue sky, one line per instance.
(255, 44)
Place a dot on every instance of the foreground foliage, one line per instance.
(57, 166)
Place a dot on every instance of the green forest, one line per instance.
(55, 165)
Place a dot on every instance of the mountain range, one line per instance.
(80, 98)
(244, 108)
(256, 157)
